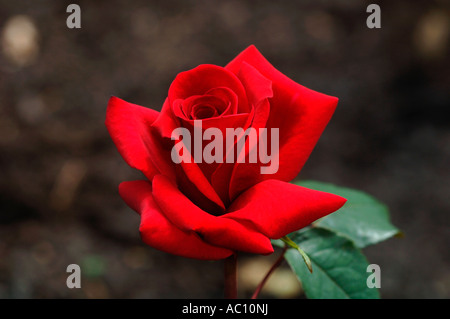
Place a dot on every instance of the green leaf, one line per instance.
(340, 269)
(363, 219)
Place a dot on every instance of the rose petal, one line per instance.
(278, 208)
(158, 232)
(167, 121)
(197, 178)
(217, 231)
(301, 115)
(257, 86)
(129, 126)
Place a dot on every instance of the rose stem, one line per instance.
(271, 270)
(230, 277)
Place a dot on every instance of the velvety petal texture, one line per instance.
(130, 128)
(157, 231)
(210, 210)
(277, 208)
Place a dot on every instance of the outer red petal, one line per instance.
(278, 208)
(301, 115)
(128, 124)
(130, 128)
(218, 231)
(159, 232)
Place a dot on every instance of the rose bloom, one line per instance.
(211, 210)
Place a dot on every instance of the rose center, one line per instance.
(203, 111)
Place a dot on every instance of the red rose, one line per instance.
(209, 210)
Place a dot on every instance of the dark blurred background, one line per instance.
(59, 170)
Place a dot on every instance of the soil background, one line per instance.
(59, 169)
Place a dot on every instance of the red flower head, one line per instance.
(208, 210)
